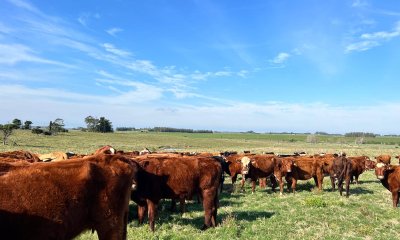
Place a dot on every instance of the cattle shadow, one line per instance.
(360, 190)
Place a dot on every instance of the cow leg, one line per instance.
(340, 186)
(294, 183)
(242, 184)
(273, 182)
(253, 186)
(172, 208)
(332, 182)
(234, 178)
(141, 213)
(210, 208)
(356, 178)
(152, 212)
(395, 198)
(182, 205)
(347, 186)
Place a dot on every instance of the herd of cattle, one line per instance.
(59, 195)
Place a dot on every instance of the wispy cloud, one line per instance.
(359, 3)
(367, 41)
(24, 5)
(112, 49)
(279, 60)
(84, 18)
(12, 54)
(113, 31)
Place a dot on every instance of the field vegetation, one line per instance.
(308, 214)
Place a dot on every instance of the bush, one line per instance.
(37, 131)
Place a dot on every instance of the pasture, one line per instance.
(308, 214)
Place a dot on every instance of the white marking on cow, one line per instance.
(245, 161)
(380, 165)
(134, 186)
(112, 150)
(381, 177)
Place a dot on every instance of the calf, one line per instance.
(389, 176)
(59, 200)
(178, 178)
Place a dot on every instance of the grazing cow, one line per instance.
(19, 155)
(384, 158)
(59, 200)
(370, 165)
(389, 176)
(341, 168)
(178, 178)
(305, 168)
(54, 156)
(357, 166)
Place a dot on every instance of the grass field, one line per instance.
(308, 214)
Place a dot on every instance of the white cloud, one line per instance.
(112, 49)
(370, 40)
(280, 58)
(84, 18)
(113, 31)
(12, 54)
(24, 5)
(130, 108)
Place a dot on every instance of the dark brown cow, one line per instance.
(326, 160)
(384, 158)
(59, 200)
(389, 176)
(357, 166)
(178, 178)
(19, 155)
(304, 169)
(342, 171)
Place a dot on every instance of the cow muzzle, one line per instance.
(380, 177)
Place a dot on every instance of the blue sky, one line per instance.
(228, 65)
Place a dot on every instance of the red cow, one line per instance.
(178, 178)
(389, 176)
(59, 200)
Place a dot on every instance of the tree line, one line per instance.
(163, 129)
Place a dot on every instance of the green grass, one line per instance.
(308, 214)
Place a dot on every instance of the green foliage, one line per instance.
(360, 134)
(17, 123)
(315, 201)
(6, 131)
(56, 127)
(27, 124)
(102, 125)
(37, 130)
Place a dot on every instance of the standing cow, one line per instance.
(178, 178)
(389, 176)
(59, 200)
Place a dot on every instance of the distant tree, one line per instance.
(56, 126)
(104, 125)
(91, 123)
(17, 123)
(7, 130)
(37, 130)
(27, 124)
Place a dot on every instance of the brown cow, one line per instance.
(384, 158)
(54, 156)
(59, 200)
(389, 176)
(304, 169)
(357, 166)
(178, 178)
(19, 155)
(260, 166)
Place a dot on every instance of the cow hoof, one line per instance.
(281, 194)
(205, 227)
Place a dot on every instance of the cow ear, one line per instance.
(144, 164)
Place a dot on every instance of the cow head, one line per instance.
(369, 164)
(287, 165)
(381, 169)
(246, 162)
